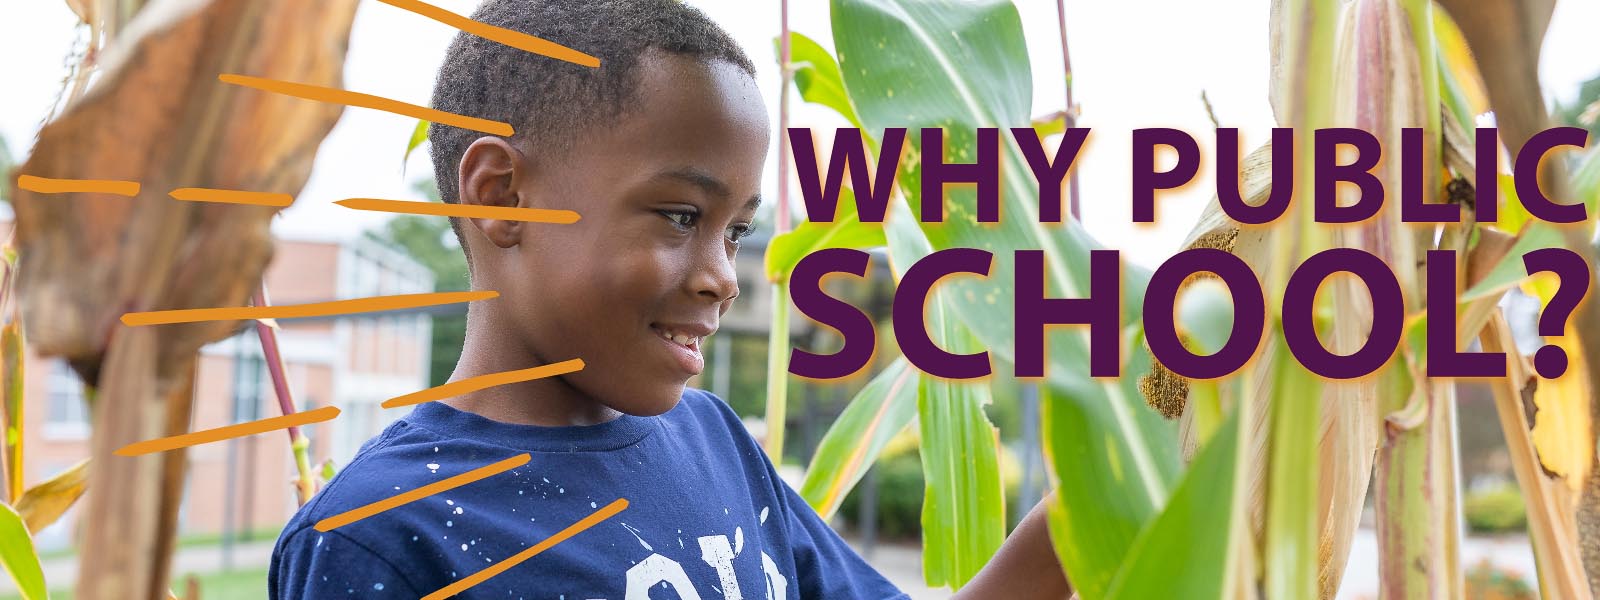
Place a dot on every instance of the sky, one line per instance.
(1137, 63)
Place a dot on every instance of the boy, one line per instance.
(660, 150)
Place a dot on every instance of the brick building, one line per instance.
(353, 362)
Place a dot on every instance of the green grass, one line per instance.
(185, 541)
(243, 583)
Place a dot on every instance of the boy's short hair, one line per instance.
(549, 101)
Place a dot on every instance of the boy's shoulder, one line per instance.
(434, 441)
(696, 484)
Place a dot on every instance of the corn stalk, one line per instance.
(304, 483)
(778, 336)
(158, 116)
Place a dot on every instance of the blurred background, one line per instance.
(1136, 64)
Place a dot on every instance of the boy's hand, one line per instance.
(1025, 566)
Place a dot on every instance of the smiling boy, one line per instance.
(660, 150)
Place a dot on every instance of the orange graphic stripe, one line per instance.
(463, 585)
(515, 39)
(231, 196)
(471, 211)
(472, 384)
(185, 440)
(291, 311)
(45, 185)
(349, 98)
(351, 516)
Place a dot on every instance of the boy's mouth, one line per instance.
(686, 340)
(683, 341)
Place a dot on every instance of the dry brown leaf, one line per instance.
(1551, 521)
(42, 504)
(159, 116)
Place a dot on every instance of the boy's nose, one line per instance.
(715, 278)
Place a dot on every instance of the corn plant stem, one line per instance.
(1292, 499)
(778, 337)
(1070, 116)
(1207, 409)
(280, 384)
(12, 414)
(777, 372)
(1291, 541)
(1419, 525)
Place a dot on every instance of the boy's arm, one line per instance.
(310, 564)
(1025, 567)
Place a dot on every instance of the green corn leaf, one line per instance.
(1510, 271)
(878, 412)
(816, 75)
(961, 66)
(1184, 552)
(847, 231)
(963, 506)
(18, 556)
(418, 136)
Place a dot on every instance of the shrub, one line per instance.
(1495, 510)
(1488, 582)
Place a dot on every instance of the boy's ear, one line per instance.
(491, 172)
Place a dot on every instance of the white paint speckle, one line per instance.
(463, 547)
(636, 536)
(738, 540)
(377, 586)
(593, 505)
(764, 514)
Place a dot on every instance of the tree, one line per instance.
(1585, 112)
(430, 241)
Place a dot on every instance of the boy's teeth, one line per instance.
(678, 337)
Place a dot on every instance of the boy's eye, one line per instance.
(740, 231)
(681, 218)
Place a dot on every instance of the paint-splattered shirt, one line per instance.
(706, 516)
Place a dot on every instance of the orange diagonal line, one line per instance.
(231, 196)
(45, 185)
(515, 39)
(351, 516)
(291, 311)
(232, 431)
(473, 211)
(593, 519)
(472, 384)
(346, 97)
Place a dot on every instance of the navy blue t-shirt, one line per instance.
(707, 516)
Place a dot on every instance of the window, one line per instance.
(247, 386)
(69, 416)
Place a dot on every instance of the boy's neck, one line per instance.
(548, 402)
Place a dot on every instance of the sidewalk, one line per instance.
(62, 572)
(901, 564)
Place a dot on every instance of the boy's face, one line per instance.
(662, 193)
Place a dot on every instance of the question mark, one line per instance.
(1572, 275)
